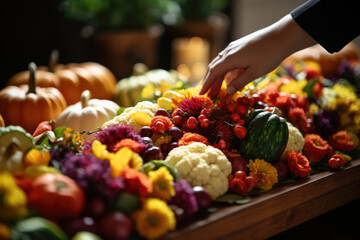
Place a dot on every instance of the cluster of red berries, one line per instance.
(238, 113)
(241, 184)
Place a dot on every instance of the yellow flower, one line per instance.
(313, 108)
(184, 94)
(37, 157)
(295, 87)
(345, 92)
(124, 157)
(265, 174)
(162, 182)
(13, 198)
(154, 219)
(148, 91)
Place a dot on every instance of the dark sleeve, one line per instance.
(331, 23)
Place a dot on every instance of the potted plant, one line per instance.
(125, 32)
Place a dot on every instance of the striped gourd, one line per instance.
(266, 138)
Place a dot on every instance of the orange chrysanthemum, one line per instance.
(189, 138)
(160, 124)
(136, 182)
(341, 141)
(316, 148)
(129, 143)
(298, 164)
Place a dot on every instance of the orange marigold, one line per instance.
(298, 164)
(160, 124)
(136, 182)
(129, 143)
(205, 99)
(341, 141)
(189, 138)
(316, 148)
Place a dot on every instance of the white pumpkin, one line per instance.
(88, 114)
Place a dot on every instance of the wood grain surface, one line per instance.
(277, 210)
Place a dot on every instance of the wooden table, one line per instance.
(277, 210)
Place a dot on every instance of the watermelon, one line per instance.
(266, 138)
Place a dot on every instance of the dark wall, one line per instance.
(30, 30)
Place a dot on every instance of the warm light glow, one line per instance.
(198, 70)
(196, 42)
(191, 57)
(184, 70)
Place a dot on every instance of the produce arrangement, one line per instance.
(101, 170)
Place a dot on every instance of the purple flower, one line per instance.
(93, 175)
(112, 135)
(184, 203)
(326, 123)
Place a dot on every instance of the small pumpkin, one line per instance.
(72, 79)
(56, 196)
(329, 62)
(88, 114)
(267, 136)
(28, 105)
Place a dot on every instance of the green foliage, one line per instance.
(200, 9)
(123, 14)
(139, 14)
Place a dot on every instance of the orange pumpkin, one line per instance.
(28, 105)
(329, 62)
(72, 79)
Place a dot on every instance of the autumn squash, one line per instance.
(14, 142)
(72, 79)
(88, 114)
(128, 90)
(266, 138)
(28, 105)
(329, 63)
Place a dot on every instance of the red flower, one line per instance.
(341, 141)
(298, 164)
(136, 182)
(316, 148)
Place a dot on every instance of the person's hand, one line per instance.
(254, 55)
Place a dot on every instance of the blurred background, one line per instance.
(169, 34)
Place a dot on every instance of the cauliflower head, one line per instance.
(202, 165)
(147, 107)
(295, 142)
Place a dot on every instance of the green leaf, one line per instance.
(120, 111)
(231, 198)
(309, 88)
(59, 131)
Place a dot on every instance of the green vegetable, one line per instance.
(85, 236)
(14, 142)
(266, 138)
(37, 228)
(127, 203)
(156, 164)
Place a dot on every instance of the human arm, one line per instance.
(327, 22)
(256, 54)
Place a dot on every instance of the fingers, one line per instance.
(216, 73)
(240, 81)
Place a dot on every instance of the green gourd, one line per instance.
(266, 138)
